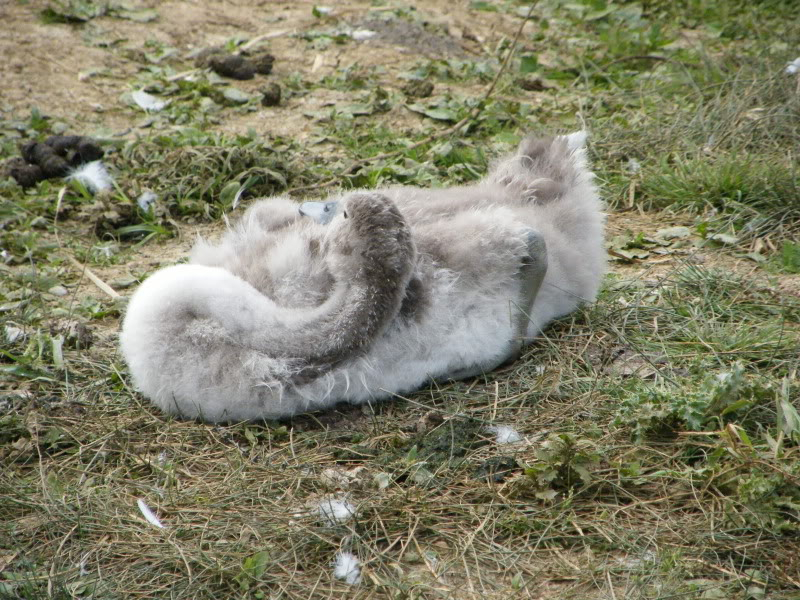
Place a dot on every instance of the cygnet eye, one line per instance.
(344, 214)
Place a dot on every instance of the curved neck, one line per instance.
(355, 314)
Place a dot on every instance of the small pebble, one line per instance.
(121, 284)
(360, 35)
(58, 290)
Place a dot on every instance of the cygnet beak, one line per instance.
(321, 212)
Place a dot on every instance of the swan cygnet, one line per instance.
(369, 293)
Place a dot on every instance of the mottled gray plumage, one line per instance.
(296, 309)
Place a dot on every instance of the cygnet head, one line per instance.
(368, 236)
(321, 212)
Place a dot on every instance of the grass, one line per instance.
(587, 487)
(660, 424)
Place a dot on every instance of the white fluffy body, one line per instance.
(194, 335)
(347, 567)
(93, 175)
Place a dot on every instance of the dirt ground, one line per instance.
(76, 73)
(49, 65)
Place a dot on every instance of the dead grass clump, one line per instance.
(204, 180)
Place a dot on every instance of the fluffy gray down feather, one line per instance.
(401, 287)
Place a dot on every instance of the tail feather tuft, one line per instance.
(576, 140)
(543, 169)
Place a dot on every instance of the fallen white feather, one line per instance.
(347, 568)
(13, 334)
(106, 250)
(84, 559)
(793, 67)
(148, 514)
(147, 101)
(93, 175)
(360, 35)
(146, 199)
(505, 434)
(648, 557)
(335, 511)
(237, 197)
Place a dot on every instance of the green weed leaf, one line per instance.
(436, 112)
(528, 63)
(253, 568)
(790, 256)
